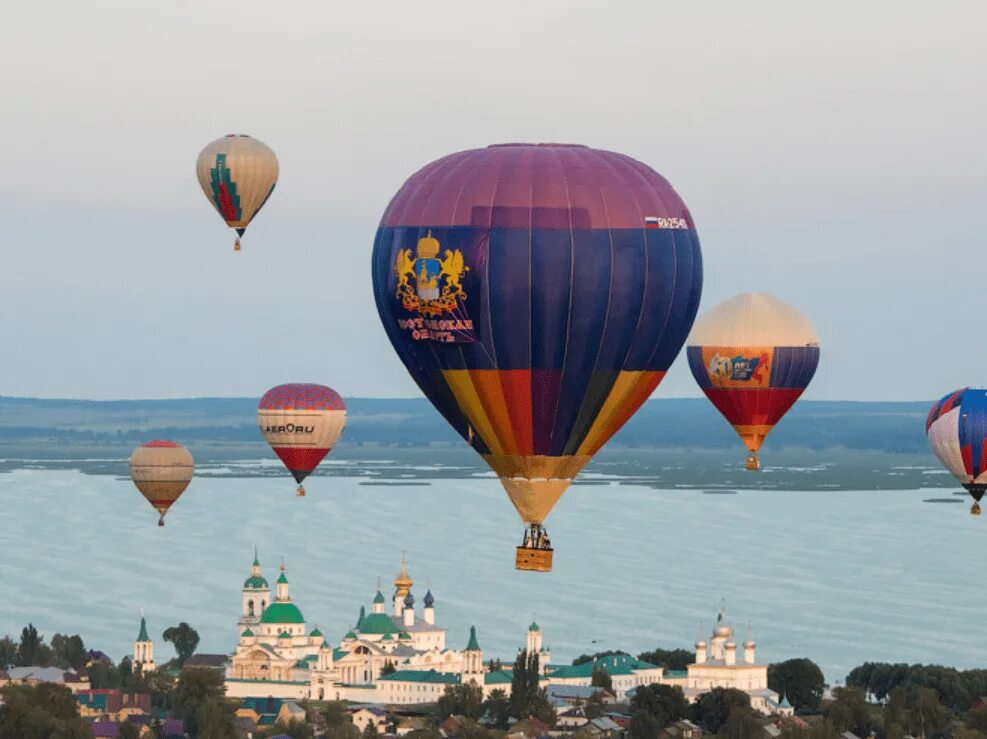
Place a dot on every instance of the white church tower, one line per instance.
(144, 649)
(473, 660)
(534, 646)
(256, 597)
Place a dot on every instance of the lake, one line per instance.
(838, 576)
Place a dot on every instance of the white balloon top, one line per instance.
(753, 319)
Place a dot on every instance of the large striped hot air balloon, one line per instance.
(753, 355)
(302, 422)
(957, 431)
(537, 294)
(161, 470)
(238, 174)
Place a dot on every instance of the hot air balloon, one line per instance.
(161, 470)
(537, 294)
(301, 422)
(753, 355)
(238, 174)
(957, 431)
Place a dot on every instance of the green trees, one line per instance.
(338, 722)
(929, 717)
(184, 638)
(601, 678)
(957, 689)
(800, 680)
(32, 649)
(68, 651)
(848, 711)
(8, 652)
(712, 709)
(388, 668)
(198, 700)
(460, 700)
(527, 697)
(44, 711)
(128, 730)
(665, 703)
(295, 729)
(498, 708)
(670, 659)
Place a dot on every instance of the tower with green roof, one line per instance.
(256, 596)
(473, 660)
(534, 643)
(144, 648)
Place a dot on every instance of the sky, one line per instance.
(834, 158)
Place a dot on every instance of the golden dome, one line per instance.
(428, 246)
(403, 581)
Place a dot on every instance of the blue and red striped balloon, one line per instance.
(957, 431)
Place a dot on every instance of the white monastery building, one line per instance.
(400, 655)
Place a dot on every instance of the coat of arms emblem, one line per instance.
(427, 284)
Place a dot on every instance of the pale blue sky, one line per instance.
(831, 154)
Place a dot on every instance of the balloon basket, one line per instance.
(236, 245)
(975, 509)
(300, 493)
(753, 463)
(530, 559)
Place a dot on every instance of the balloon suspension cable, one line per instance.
(236, 244)
(975, 509)
(535, 537)
(301, 492)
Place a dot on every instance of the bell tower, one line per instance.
(256, 596)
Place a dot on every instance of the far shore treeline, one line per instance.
(692, 423)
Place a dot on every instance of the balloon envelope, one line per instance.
(753, 356)
(302, 422)
(161, 470)
(237, 173)
(537, 294)
(957, 431)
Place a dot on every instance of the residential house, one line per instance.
(364, 715)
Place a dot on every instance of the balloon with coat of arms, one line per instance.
(161, 470)
(537, 294)
(753, 356)
(957, 431)
(237, 173)
(302, 422)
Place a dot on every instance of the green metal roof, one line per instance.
(376, 623)
(284, 635)
(617, 664)
(339, 653)
(404, 635)
(534, 626)
(379, 598)
(350, 635)
(316, 632)
(247, 632)
(143, 635)
(255, 583)
(388, 637)
(282, 580)
(473, 645)
(499, 677)
(282, 613)
(423, 676)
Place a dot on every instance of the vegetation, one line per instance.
(654, 707)
(670, 659)
(184, 638)
(601, 678)
(527, 698)
(957, 689)
(45, 711)
(198, 700)
(584, 658)
(460, 700)
(497, 709)
(712, 710)
(800, 680)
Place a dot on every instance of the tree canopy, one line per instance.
(800, 680)
(40, 711)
